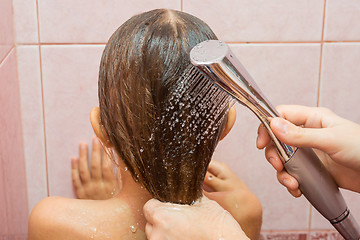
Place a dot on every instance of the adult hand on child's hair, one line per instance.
(234, 196)
(204, 220)
(336, 142)
(98, 182)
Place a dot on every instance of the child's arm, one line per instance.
(235, 197)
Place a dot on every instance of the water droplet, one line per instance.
(125, 169)
(210, 177)
(141, 149)
(133, 229)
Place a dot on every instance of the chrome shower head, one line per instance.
(216, 61)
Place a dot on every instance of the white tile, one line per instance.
(70, 75)
(339, 88)
(342, 19)
(25, 21)
(32, 122)
(259, 20)
(90, 21)
(6, 29)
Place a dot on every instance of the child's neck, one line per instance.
(134, 195)
(130, 188)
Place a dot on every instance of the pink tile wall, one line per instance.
(340, 20)
(6, 29)
(261, 21)
(286, 45)
(13, 202)
(32, 122)
(13, 191)
(25, 22)
(83, 21)
(340, 88)
(70, 92)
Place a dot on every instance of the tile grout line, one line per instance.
(63, 43)
(42, 100)
(229, 42)
(7, 54)
(321, 55)
(318, 97)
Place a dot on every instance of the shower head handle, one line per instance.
(215, 59)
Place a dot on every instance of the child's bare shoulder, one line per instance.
(48, 219)
(64, 218)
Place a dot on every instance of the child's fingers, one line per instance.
(216, 196)
(221, 170)
(96, 159)
(75, 173)
(218, 169)
(83, 163)
(215, 183)
(76, 178)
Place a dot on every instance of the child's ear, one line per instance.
(98, 127)
(230, 122)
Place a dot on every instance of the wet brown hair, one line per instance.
(165, 139)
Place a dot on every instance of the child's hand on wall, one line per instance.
(235, 197)
(98, 182)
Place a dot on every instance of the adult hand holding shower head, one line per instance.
(215, 59)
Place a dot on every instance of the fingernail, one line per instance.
(281, 125)
(73, 162)
(271, 161)
(286, 181)
(82, 146)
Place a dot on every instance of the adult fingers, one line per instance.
(289, 182)
(273, 158)
(96, 159)
(297, 114)
(148, 230)
(149, 208)
(83, 163)
(263, 139)
(296, 136)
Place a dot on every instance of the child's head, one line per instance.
(163, 134)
